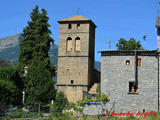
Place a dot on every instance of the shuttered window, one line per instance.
(139, 61)
(69, 44)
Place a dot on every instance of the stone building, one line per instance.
(76, 56)
(131, 78)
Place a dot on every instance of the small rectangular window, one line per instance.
(132, 87)
(72, 81)
(139, 62)
(78, 25)
(143, 110)
(69, 26)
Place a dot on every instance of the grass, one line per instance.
(85, 117)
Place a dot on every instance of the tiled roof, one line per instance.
(128, 52)
(75, 18)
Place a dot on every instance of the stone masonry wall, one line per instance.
(73, 93)
(77, 70)
(82, 32)
(115, 77)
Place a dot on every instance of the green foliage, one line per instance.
(10, 86)
(39, 86)
(104, 97)
(68, 116)
(98, 98)
(101, 97)
(60, 104)
(36, 42)
(70, 105)
(20, 113)
(86, 99)
(62, 109)
(80, 103)
(131, 44)
(77, 107)
(98, 90)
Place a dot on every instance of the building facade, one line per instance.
(130, 89)
(75, 56)
(131, 79)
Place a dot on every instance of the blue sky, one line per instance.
(115, 18)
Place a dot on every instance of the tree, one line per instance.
(10, 86)
(38, 83)
(60, 103)
(131, 44)
(39, 87)
(36, 42)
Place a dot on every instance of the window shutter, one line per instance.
(139, 62)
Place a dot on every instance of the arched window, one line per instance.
(69, 44)
(77, 44)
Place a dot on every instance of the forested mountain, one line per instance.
(4, 63)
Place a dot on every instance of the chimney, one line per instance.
(158, 33)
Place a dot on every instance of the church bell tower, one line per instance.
(75, 56)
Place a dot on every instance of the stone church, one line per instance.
(76, 73)
(131, 78)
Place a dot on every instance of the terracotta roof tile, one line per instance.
(75, 18)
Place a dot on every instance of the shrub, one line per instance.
(60, 104)
(101, 97)
(20, 113)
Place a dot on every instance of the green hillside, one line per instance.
(3, 63)
(10, 54)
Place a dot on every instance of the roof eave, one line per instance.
(74, 21)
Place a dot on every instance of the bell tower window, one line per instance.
(69, 44)
(77, 44)
(72, 81)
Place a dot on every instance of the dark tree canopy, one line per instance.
(131, 44)
(36, 41)
(39, 87)
(10, 86)
(60, 103)
(38, 82)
